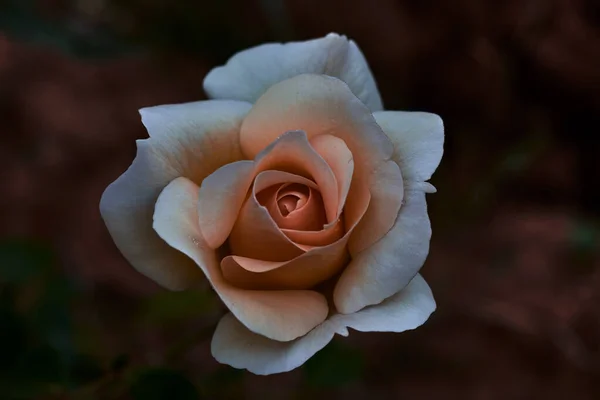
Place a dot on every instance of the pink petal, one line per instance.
(291, 152)
(323, 237)
(222, 194)
(309, 216)
(337, 155)
(305, 271)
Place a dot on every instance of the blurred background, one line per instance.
(515, 258)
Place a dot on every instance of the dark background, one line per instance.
(515, 259)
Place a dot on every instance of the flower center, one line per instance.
(292, 197)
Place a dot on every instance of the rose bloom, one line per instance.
(292, 191)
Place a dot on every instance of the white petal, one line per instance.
(387, 266)
(183, 142)
(249, 73)
(407, 309)
(418, 139)
(279, 315)
(235, 345)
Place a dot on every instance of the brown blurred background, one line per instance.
(515, 258)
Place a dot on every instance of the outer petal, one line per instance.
(189, 140)
(235, 345)
(418, 139)
(389, 265)
(278, 315)
(405, 310)
(248, 74)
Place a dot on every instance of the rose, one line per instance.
(293, 193)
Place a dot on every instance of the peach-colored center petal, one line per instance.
(272, 178)
(298, 207)
(292, 152)
(316, 265)
(303, 272)
(292, 200)
(256, 235)
(292, 197)
(337, 155)
(322, 237)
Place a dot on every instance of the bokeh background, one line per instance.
(515, 259)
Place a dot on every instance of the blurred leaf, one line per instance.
(176, 306)
(120, 363)
(584, 236)
(516, 162)
(160, 384)
(279, 19)
(51, 316)
(85, 369)
(523, 154)
(335, 365)
(20, 260)
(42, 365)
(13, 339)
(40, 371)
(225, 383)
(21, 19)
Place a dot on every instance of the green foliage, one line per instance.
(119, 363)
(51, 316)
(43, 364)
(85, 369)
(13, 338)
(38, 351)
(35, 340)
(223, 383)
(161, 384)
(335, 365)
(584, 236)
(22, 260)
(21, 19)
(168, 307)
